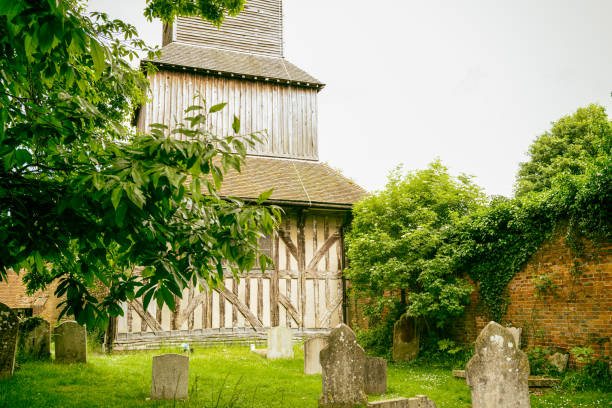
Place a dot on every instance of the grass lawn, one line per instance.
(231, 377)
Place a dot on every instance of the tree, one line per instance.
(212, 10)
(572, 143)
(393, 246)
(84, 199)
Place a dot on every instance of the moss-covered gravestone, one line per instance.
(343, 362)
(405, 339)
(70, 343)
(34, 339)
(9, 328)
(498, 373)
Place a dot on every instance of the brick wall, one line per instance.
(43, 303)
(576, 311)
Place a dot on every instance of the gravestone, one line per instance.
(279, 343)
(420, 401)
(343, 363)
(405, 339)
(498, 373)
(375, 375)
(516, 333)
(34, 339)
(312, 349)
(559, 360)
(70, 343)
(9, 329)
(170, 377)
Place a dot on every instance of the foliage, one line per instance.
(539, 363)
(393, 243)
(544, 286)
(212, 10)
(86, 200)
(571, 144)
(595, 373)
(492, 244)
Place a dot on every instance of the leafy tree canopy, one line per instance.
(571, 144)
(84, 199)
(394, 242)
(211, 10)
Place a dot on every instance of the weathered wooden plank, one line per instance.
(274, 291)
(292, 313)
(301, 258)
(312, 265)
(144, 315)
(129, 318)
(205, 310)
(221, 309)
(260, 299)
(233, 299)
(288, 295)
(291, 247)
(324, 321)
(234, 311)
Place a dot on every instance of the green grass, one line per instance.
(231, 377)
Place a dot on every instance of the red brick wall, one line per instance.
(578, 312)
(13, 294)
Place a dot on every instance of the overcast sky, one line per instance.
(472, 82)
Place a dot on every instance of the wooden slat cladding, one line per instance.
(303, 290)
(286, 113)
(258, 29)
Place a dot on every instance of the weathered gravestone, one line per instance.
(70, 343)
(559, 360)
(420, 401)
(343, 363)
(375, 375)
(34, 339)
(498, 373)
(9, 329)
(279, 343)
(170, 377)
(516, 333)
(405, 339)
(312, 349)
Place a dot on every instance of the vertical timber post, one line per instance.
(301, 248)
(274, 308)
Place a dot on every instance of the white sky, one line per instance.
(472, 82)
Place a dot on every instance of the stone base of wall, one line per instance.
(204, 338)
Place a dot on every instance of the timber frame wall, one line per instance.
(303, 291)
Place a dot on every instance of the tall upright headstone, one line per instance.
(279, 343)
(34, 339)
(343, 363)
(312, 349)
(498, 373)
(70, 343)
(405, 339)
(9, 329)
(375, 375)
(170, 377)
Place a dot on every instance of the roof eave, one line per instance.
(175, 67)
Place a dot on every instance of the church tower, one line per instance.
(242, 63)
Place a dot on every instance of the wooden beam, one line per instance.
(292, 313)
(312, 265)
(301, 251)
(144, 315)
(274, 291)
(286, 237)
(326, 317)
(233, 299)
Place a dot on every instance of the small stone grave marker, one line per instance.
(375, 375)
(405, 339)
(343, 363)
(34, 339)
(9, 329)
(559, 360)
(312, 349)
(70, 343)
(170, 377)
(279, 343)
(498, 373)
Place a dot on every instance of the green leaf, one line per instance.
(98, 56)
(236, 124)
(116, 196)
(120, 214)
(264, 196)
(217, 107)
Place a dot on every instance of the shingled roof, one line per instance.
(295, 182)
(230, 63)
